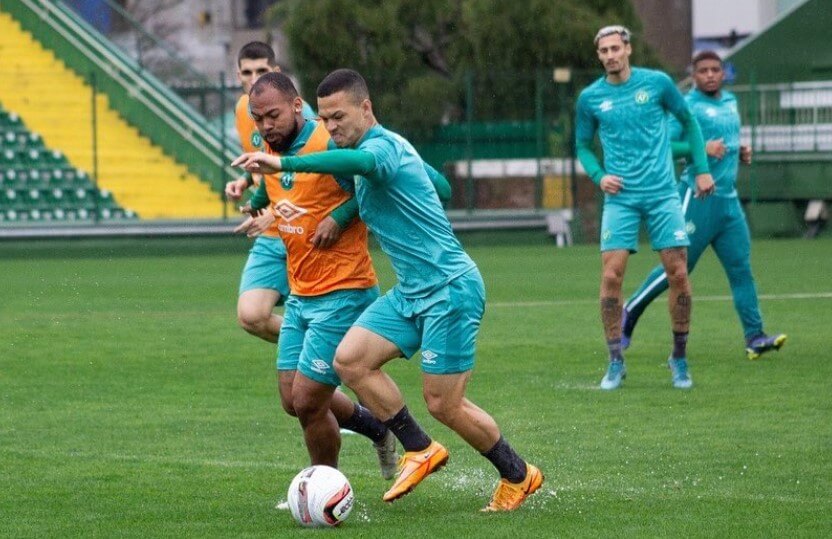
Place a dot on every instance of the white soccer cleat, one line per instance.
(388, 459)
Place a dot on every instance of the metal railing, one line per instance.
(789, 120)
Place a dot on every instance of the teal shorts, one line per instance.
(622, 219)
(266, 267)
(313, 326)
(443, 324)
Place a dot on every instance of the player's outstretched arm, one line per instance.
(258, 162)
(335, 162)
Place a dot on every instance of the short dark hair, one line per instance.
(344, 80)
(255, 50)
(279, 81)
(705, 55)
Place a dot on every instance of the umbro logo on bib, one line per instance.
(288, 211)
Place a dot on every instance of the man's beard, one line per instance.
(287, 140)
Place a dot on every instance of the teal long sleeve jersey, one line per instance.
(399, 200)
(631, 119)
(718, 118)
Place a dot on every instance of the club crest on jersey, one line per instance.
(690, 227)
(642, 97)
(287, 180)
(256, 140)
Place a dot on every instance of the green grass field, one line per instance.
(132, 406)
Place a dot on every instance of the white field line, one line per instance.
(587, 301)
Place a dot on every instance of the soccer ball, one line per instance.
(320, 496)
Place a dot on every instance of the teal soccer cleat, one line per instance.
(615, 373)
(679, 372)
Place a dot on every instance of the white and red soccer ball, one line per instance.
(320, 496)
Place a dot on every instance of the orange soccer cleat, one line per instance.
(510, 496)
(414, 466)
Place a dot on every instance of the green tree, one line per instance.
(417, 54)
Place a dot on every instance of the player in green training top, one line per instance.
(436, 305)
(718, 221)
(629, 108)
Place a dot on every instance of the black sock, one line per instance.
(507, 461)
(629, 325)
(409, 433)
(365, 423)
(680, 345)
(614, 346)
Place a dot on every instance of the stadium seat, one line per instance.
(9, 177)
(9, 119)
(8, 158)
(38, 184)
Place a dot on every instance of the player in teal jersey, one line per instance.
(437, 304)
(629, 107)
(718, 221)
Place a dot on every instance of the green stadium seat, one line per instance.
(33, 198)
(83, 198)
(38, 183)
(9, 139)
(20, 140)
(9, 119)
(8, 158)
(57, 178)
(35, 178)
(81, 177)
(10, 198)
(57, 196)
(32, 140)
(9, 177)
(106, 200)
(22, 175)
